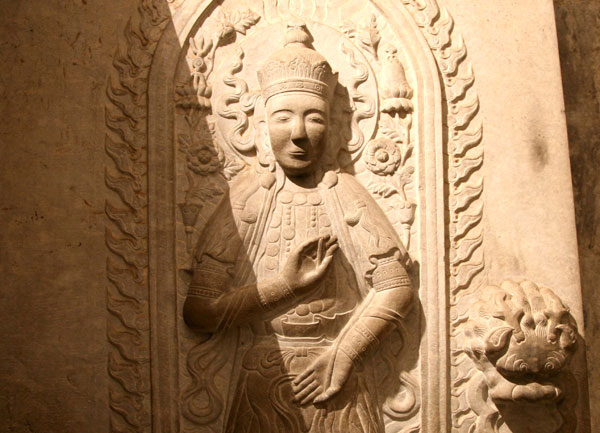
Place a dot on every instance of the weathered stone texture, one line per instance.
(55, 57)
(578, 25)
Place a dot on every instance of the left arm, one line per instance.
(390, 301)
(380, 317)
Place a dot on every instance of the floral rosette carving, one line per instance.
(205, 162)
(382, 156)
(386, 158)
(202, 160)
(206, 168)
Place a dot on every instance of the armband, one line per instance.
(390, 274)
(203, 292)
(210, 279)
(273, 293)
(358, 341)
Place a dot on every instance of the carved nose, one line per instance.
(298, 131)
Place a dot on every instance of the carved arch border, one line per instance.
(138, 234)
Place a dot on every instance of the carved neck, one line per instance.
(303, 182)
(298, 183)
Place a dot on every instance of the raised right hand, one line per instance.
(307, 264)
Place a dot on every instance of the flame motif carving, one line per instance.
(126, 235)
(464, 153)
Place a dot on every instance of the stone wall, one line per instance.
(578, 26)
(56, 55)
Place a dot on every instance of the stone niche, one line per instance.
(337, 217)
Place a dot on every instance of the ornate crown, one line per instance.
(297, 67)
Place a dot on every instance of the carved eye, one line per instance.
(521, 366)
(553, 362)
(316, 119)
(282, 118)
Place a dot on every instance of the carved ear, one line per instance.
(263, 146)
(497, 339)
(568, 336)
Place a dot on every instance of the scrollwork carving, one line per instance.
(126, 232)
(464, 152)
(368, 103)
(213, 157)
(367, 34)
(316, 323)
(241, 136)
(202, 51)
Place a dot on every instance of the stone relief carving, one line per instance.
(520, 337)
(315, 314)
(126, 234)
(387, 155)
(222, 139)
(464, 153)
(197, 141)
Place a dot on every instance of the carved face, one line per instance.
(297, 123)
(534, 356)
(521, 336)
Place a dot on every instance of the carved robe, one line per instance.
(248, 239)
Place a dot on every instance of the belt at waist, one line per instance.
(317, 327)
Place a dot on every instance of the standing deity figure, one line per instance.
(303, 259)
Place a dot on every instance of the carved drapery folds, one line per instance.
(404, 127)
(370, 134)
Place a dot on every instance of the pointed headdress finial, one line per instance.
(297, 67)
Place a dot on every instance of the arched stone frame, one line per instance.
(161, 210)
(161, 220)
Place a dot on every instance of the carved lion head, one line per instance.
(520, 335)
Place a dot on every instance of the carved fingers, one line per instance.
(331, 391)
(311, 382)
(323, 379)
(309, 261)
(326, 246)
(301, 380)
(317, 249)
(307, 387)
(339, 375)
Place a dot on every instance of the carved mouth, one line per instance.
(298, 154)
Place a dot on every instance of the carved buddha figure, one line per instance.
(306, 263)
